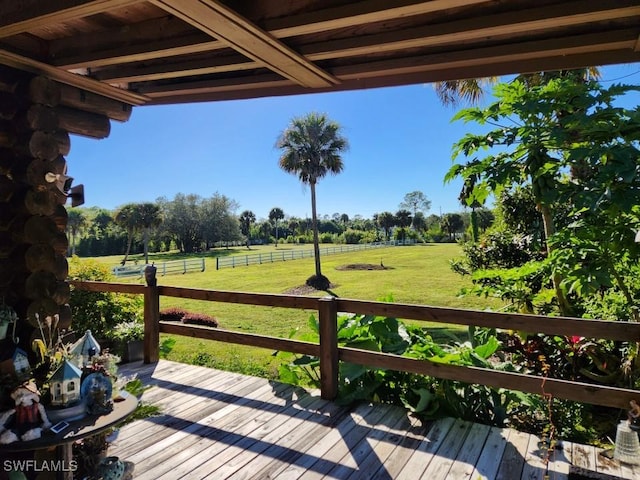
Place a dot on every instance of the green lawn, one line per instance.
(417, 274)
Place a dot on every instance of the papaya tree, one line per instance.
(568, 139)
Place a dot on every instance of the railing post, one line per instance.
(151, 316)
(328, 319)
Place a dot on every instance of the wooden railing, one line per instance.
(331, 353)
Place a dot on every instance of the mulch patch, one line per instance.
(362, 266)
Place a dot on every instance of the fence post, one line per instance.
(328, 319)
(217, 263)
(151, 316)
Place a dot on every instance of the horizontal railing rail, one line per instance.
(331, 353)
(163, 268)
(297, 254)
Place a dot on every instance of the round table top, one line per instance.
(79, 429)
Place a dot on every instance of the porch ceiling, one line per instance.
(173, 51)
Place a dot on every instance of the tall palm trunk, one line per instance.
(129, 242)
(146, 245)
(549, 229)
(314, 221)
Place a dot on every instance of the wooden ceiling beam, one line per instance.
(25, 15)
(495, 26)
(359, 13)
(553, 47)
(540, 50)
(245, 37)
(176, 69)
(94, 86)
(139, 42)
(497, 69)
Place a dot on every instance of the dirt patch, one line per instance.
(362, 266)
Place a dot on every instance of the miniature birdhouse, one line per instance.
(15, 363)
(65, 384)
(85, 349)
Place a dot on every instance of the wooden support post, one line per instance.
(151, 317)
(328, 318)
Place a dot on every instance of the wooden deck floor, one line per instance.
(219, 425)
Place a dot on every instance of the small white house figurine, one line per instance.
(65, 385)
(85, 349)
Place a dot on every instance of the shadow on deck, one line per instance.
(217, 424)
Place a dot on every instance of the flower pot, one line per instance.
(132, 351)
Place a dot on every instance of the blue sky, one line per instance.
(400, 141)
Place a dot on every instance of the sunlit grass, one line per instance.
(417, 274)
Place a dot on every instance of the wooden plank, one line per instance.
(91, 286)
(39, 68)
(233, 442)
(438, 468)
(488, 464)
(471, 29)
(184, 412)
(19, 17)
(326, 453)
(185, 453)
(464, 464)
(228, 336)
(297, 443)
(513, 456)
(368, 455)
(535, 466)
(606, 464)
(427, 449)
(329, 364)
(411, 439)
(264, 299)
(559, 462)
(245, 37)
(267, 442)
(584, 456)
(577, 391)
(625, 331)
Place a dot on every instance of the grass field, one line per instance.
(418, 274)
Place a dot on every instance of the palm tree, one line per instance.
(126, 218)
(275, 215)
(471, 90)
(311, 147)
(75, 223)
(246, 219)
(387, 221)
(403, 220)
(148, 216)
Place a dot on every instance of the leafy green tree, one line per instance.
(312, 147)
(416, 202)
(182, 219)
(218, 220)
(275, 215)
(247, 218)
(75, 223)
(543, 132)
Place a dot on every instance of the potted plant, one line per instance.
(128, 339)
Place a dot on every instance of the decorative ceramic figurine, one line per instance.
(65, 385)
(27, 419)
(97, 391)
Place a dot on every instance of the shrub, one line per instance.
(172, 314)
(326, 238)
(100, 311)
(199, 319)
